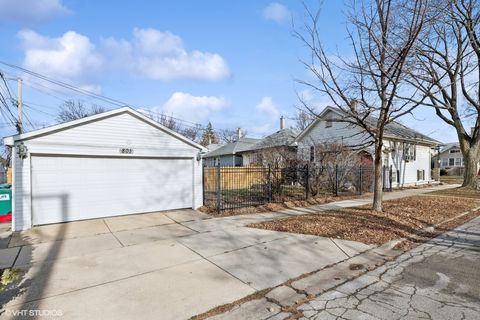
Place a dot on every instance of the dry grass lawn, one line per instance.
(402, 218)
(458, 192)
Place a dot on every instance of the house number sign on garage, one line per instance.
(126, 150)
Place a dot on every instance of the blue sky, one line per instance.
(233, 63)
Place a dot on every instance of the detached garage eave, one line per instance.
(10, 141)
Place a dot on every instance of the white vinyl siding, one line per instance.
(409, 171)
(348, 135)
(106, 136)
(341, 133)
(103, 139)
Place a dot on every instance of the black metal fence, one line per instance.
(226, 188)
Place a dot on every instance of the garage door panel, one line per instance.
(74, 188)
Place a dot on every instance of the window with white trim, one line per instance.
(458, 162)
(451, 162)
(409, 152)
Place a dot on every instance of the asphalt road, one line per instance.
(437, 280)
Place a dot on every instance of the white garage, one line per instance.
(115, 163)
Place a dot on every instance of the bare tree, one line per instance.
(303, 119)
(229, 135)
(192, 132)
(382, 34)
(333, 165)
(448, 71)
(72, 110)
(168, 122)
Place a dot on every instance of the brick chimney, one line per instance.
(353, 105)
(282, 122)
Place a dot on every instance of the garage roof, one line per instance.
(9, 141)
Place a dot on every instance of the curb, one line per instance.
(293, 293)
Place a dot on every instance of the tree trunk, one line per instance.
(378, 178)
(471, 159)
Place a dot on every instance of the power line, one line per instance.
(35, 85)
(100, 97)
(154, 115)
(68, 86)
(12, 119)
(28, 105)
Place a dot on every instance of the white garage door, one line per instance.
(76, 188)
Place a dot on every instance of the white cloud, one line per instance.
(31, 10)
(70, 57)
(313, 100)
(276, 12)
(193, 108)
(266, 106)
(161, 55)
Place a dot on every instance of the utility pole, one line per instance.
(19, 105)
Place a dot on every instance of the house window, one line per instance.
(444, 163)
(312, 153)
(458, 162)
(409, 152)
(454, 151)
(254, 158)
(420, 175)
(451, 162)
(328, 123)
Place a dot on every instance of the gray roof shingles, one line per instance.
(233, 147)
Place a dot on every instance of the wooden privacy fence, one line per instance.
(233, 177)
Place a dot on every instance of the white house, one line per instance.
(114, 163)
(406, 150)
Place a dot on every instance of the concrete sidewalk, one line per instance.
(171, 265)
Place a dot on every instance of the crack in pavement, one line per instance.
(388, 292)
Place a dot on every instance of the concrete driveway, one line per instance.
(169, 265)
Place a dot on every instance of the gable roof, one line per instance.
(393, 130)
(283, 137)
(233, 147)
(449, 146)
(9, 141)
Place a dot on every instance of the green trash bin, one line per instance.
(5, 200)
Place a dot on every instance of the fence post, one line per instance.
(219, 189)
(307, 180)
(336, 180)
(360, 178)
(203, 183)
(269, 184)
(390, 176)
(383, 179)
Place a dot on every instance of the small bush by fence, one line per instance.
(227, 188)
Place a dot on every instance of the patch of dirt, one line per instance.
(401, 218)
